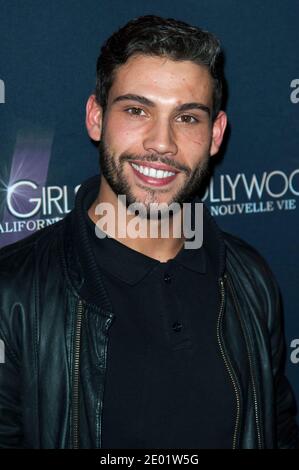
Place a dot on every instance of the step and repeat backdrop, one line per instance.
(47, 71)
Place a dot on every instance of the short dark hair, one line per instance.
(163, 37)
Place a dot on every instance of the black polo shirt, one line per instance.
(166, 382)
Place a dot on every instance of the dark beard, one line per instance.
(114, 175)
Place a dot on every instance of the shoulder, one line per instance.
(246, 256)
(21, 258)
(252, 277)
(40, 238)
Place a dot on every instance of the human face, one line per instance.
(157, 131)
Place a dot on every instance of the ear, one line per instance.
(94, 118)
(219, 126)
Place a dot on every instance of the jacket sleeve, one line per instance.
(17, 371)
(262, 284)
(287, 430)
(10, 399)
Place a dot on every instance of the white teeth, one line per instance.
(152, 172)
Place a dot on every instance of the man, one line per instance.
(116, 340)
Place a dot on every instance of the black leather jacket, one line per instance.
(52, 381)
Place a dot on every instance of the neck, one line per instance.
(113, 218)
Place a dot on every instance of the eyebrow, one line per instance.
(145, 101)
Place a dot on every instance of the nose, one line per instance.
(160, 139)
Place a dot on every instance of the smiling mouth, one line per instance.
(154, 175)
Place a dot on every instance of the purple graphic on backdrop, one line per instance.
(28, 175)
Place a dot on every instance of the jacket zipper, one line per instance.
(227, 363)
(76, 373)
(256, 409)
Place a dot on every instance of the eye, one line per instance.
(135, 111)
(187, 119)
